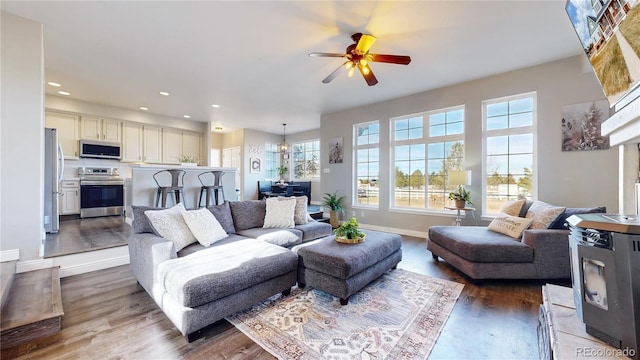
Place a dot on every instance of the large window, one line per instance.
(270, 161)
(367, 164)
(509, 162)
(306, 160)
(426, 147)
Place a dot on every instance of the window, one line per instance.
(426, 147)
(367, 165)
(306, 160)
(509, 162)
(270, 161)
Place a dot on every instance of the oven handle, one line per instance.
(101, 182)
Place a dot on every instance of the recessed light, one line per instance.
(164, 93)
(54, 84)
(215, 105)
(186, 116)
(63, 93)
(144, 108)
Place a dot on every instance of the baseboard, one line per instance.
(36, 264)
(79, 263)
(419, 234)
(93, 266)
(9, 255)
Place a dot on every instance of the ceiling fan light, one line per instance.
(351, 70)
(364, 62)
(349, 65)
(364, 68)
(365, 43)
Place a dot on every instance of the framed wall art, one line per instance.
(255, 165)
(581, 126)
(336, 150)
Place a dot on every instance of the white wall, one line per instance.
(21, 136)
(561, 177)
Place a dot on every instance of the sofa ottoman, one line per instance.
(343, 269)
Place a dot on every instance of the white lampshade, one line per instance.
(460, 177)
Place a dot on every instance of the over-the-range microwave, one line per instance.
(99, 149)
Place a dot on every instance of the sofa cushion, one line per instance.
(170, 224)
(204, 226)
(562, 219)
(279, 213)
(282, 237)
(196, 246)
(314, 230)
(248, 214)
(141, 223)
(222, 270)
(512, 226)
(479, 244)
(543, 214)
(222, 213)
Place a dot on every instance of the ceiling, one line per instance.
(251, 58)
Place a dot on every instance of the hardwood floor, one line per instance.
(82, 235)
(109, 316)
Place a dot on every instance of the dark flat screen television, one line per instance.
(605, 274)
(608, 31)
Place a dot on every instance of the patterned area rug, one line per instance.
(398, 316)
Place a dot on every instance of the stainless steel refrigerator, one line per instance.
(53, 167)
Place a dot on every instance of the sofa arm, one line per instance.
(146, 251)
(550, 252)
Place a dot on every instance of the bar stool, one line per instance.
(176, 187)
(211, 187)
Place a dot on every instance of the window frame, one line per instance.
(271, 150)
(292, 160)
(425, 140)
(486, 134)
(355, 179)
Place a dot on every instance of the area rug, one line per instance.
(397, 316)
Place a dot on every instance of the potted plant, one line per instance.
(333, 202)
(188, 160)
(461, 197)
(349, 233)
(282, 170)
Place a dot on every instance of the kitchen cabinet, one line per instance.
(68, 128)
(100, 129)
(171, 146)
(131, 142)
(152, 144)
(69, 203)
(191, 144)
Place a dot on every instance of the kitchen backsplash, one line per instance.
(71, 166)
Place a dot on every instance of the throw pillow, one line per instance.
(543, 214)
(512, 208)
(141, 223)
(279, 213)
(169, 224)
(512, 226)
(300, 213)
(204, 226)
(562, 219)
(222, 213)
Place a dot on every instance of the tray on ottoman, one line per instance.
(343, 269)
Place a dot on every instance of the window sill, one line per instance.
(444, 213)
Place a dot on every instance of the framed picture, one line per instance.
(255, 165)
(285, 156)
(581, 126)
(335, 150)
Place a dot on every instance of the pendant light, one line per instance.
(284, 148)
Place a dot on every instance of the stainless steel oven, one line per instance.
(101, 192)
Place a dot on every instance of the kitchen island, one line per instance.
(141, 189)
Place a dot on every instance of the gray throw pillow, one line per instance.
(248, 214)
(222, 213)
(141, 223)
(562, 219)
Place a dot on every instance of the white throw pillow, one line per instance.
(279, 213)
(170, 225)
(543, 214)
(513, 208)
(204, 226)
(300, 212)
(509, 225)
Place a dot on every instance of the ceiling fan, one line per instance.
(358, 56)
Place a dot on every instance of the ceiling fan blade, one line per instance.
(333, 74)
(321, 54)
(391, 59)
(365, 43)
(367, 73)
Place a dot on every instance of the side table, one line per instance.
(458, 218)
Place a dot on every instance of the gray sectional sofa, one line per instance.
(199, 285)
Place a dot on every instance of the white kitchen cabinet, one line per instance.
(152, 144)
(70, 197)
(131, 142)
(68, 128)
(100, 129)
(171, 146)
(191, 144)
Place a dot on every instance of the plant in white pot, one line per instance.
(334, 203)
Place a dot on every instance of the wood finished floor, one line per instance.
(90, 234)
(109, 316)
